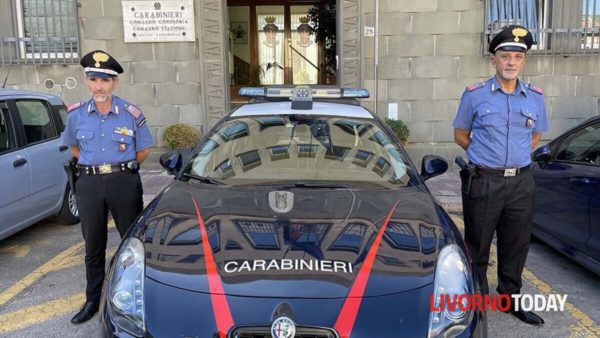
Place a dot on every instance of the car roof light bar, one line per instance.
(316, 92)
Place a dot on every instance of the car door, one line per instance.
(15, 177)
(594, 241)
(45, 153)
(593, 156)
(565, 185)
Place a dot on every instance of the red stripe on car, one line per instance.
(347, 317)
(220, 306)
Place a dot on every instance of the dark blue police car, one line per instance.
(297, 215)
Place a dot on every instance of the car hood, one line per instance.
(303, 243)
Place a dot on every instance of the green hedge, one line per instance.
(399, 128)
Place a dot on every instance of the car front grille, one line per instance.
(265, 332)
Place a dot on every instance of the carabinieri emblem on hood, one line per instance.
(281, 201)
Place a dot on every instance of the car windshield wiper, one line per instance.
(309, 185)
(203, 179)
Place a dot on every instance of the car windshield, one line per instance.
(302, 150)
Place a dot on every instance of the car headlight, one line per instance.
(126, 288)
(452, 278)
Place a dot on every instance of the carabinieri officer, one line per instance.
(498, 123)
(110, 138)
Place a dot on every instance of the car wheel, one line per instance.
(69, 213)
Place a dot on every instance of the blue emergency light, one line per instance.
(302, 92)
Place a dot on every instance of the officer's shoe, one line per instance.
(527, 316)
(86, 313)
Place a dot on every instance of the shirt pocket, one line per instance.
(84, 137)
(490, 117)
(122, 138)
(527, 118)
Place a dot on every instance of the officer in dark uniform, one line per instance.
(110, 139)
(498, 123)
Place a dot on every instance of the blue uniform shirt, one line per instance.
(501, 124)
(107, 139)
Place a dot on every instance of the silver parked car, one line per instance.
(33, 183)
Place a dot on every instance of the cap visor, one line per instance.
(512, 49)
(98, 74)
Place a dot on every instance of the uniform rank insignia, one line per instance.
(74, 106)
(123, 131)
(536, 89)
(133, 110)
(475, 86)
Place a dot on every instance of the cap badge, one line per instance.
(519, 33)
(100, 57)
(283, 327)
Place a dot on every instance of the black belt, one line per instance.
(102, 169)
(507, 172)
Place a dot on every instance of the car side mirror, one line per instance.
(542, 154)
(432, 166)
(171, 161)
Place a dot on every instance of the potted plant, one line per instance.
(180, 135)
(400, 129)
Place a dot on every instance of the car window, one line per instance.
(6, 133)
(62, 112)
(36, 119)
(582, 146)
(302, 148)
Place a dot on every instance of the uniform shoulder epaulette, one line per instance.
(133, 110)
(74, 106)
(535, 88)
(475, 85)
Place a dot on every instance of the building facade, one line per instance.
(415, 57)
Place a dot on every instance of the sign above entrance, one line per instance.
(159, 21)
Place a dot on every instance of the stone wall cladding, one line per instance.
(159, 77)
(153, 72)
(430, 50)
(177, 93)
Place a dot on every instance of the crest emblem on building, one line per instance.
(283, 327)
(281, 201)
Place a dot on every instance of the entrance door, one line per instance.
(287, 52)
(273, 44)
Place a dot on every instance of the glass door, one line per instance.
(271, 44)
(275, 44)
(303, 50)
(286, 49)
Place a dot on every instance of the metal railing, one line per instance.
(559, 27)
(39, 32)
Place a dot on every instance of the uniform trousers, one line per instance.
(121, 194)
(503, 205)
